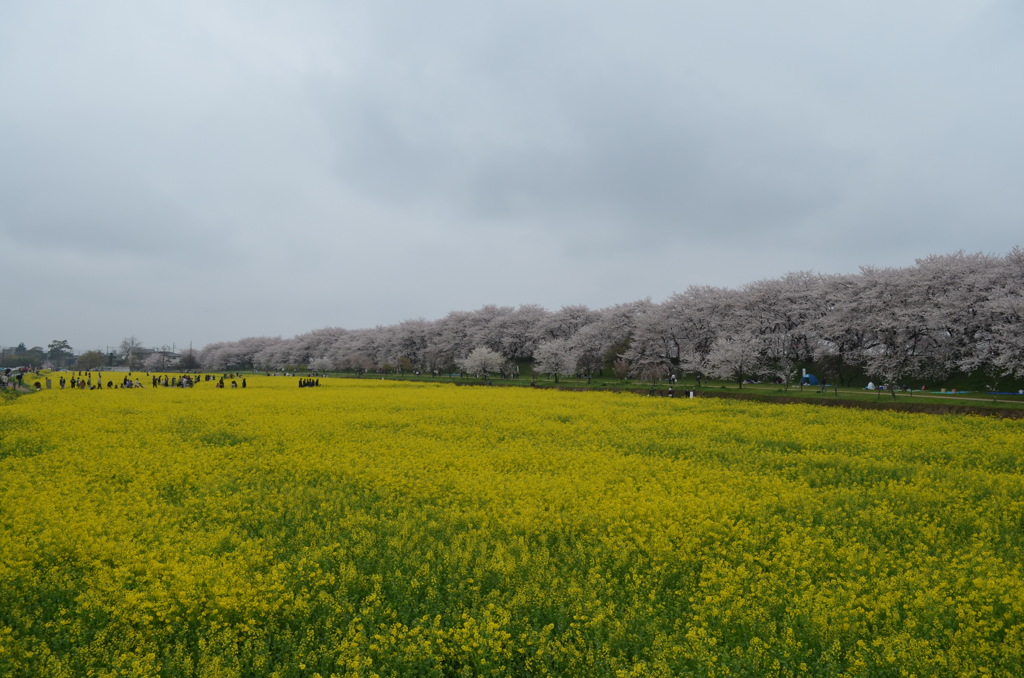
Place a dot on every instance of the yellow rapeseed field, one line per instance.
(369, 528)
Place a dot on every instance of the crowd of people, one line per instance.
(189, 380)
(86, 380)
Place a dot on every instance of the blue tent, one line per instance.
(809, 380)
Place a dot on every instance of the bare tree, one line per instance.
(129, 351)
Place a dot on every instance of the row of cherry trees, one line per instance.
(946, 314)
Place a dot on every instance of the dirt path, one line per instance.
(887, 395)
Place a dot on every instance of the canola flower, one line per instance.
(370, 528)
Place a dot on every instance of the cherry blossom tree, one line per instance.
(951, 291)
(957, 312)
(555, 357)
(614, 328)
(566, 321)
(779, 312)
(321, 364)
(405, 345)
(357, 350)
(1001, 341)
(840, 335)
(481, 326)
(482, 361)
(515, 333)
(305, 347)
(588, 349)
(654, 346)
(901, 340)
(239, 354)
(735, 357)
(451, 338)
(155, 362)
(689, 323)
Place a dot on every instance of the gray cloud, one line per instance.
(266, 169)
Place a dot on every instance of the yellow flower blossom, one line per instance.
(378, 528)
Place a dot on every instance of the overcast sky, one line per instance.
(196, 171)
